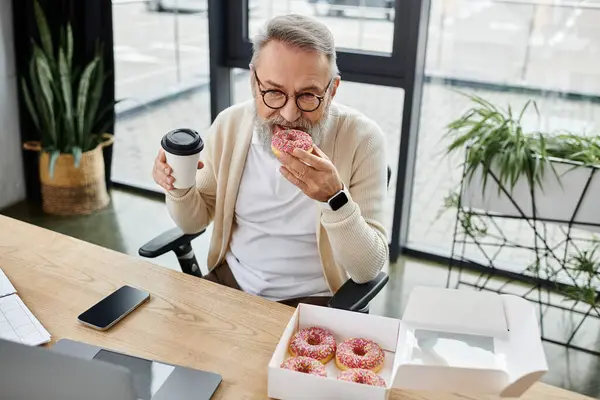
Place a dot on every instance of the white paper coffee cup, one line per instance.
(182, 149)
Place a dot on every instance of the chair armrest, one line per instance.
(354, 296)
(170, 240)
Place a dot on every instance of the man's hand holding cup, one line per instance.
(177, 162)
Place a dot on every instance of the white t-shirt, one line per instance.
(273, 250)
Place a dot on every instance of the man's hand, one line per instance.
(314, 174)
(162, 171)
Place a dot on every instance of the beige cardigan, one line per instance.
(352, 241)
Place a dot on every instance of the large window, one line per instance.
(373, 36)
(356, 24)
(550, 45)
(507, 52)
(162, 77)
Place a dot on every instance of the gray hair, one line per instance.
(301, 32)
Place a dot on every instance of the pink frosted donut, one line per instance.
(287, 140)
(313, 342)
(359, 353)
(362, 376)
(306, 365)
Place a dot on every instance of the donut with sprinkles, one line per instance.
(362, 376)
(359, 353)
(305, 365)
(313, 342)
(287, 140)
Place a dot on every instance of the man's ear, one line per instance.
(336, 83)
(252, 80)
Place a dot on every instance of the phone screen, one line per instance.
(110, 309)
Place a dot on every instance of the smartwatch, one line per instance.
(338, 200)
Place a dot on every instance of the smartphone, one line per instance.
(113, 308)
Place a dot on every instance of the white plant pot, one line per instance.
(556, 202)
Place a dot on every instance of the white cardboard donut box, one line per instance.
(459, 341)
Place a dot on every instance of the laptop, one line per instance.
(35, 373)
(75, 370)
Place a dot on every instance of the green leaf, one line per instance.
(105, 111)
(29, 104)
(48, 136)
(39, 103)
(69, 46)
(67, 96)
(44, 31)
(524, 109)
(76, 151)
(52, 165)
(95, 96)
(63, 39)
(44, 76)
(537, 110)
(486, 104)
(82, 98)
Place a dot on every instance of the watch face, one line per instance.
(338, 201)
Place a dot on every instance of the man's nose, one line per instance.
(290, 112)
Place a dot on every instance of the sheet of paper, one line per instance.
(18, 324)
(6, 288)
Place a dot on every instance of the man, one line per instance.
(292, 229)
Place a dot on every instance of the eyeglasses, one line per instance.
(276, 99)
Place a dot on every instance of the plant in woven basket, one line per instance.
(63, 99)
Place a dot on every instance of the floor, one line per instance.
(131, 220)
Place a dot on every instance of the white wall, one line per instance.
(12, 183)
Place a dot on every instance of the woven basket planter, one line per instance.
(73, 191)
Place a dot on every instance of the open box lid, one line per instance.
(468, 341)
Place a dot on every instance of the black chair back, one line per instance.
(389, 176)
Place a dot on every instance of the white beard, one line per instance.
(264, 128)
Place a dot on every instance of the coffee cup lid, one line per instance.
(182, 142)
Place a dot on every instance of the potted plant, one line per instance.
(63, 101)
(516, 173)
(533, 176)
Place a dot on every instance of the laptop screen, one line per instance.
(148, 376)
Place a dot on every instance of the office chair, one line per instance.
(351, 296)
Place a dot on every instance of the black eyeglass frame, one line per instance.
(287, 97)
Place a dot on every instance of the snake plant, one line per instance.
(63, 99)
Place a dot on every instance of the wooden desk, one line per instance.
(187, 321)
